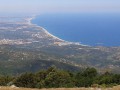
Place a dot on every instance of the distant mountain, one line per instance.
(28, 47)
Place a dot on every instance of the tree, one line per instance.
(41, 75)
(106, 78)
(86, 78)
(58, 79)
(26, 80)
(90, 72)
(4, 80)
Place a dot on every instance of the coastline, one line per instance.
(29, 21)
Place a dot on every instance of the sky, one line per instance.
(61, 6)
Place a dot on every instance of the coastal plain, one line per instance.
(27, 47)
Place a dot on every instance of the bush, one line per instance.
(55, 78)
(4, 80)
(26, 80)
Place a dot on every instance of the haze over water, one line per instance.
(97, 25)
(90, 29)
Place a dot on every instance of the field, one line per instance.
(16, 88)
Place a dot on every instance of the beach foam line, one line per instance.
(29, 21)
(52, 35)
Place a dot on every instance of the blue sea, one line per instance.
(89, 29)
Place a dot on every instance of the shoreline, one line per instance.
(29, 21)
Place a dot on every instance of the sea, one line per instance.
(88, 29)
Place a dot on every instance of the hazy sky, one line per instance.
(45, 6)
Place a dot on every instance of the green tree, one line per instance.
(86, 78)
(4, 80)
(58, 78)
(40, 77)
(106, 79)
(90, 72)
(26, 80)
(116, 79)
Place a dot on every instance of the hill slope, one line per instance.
(27, 47)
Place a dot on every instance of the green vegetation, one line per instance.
(17, 59)
(56, 78)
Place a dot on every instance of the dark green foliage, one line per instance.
(26, 80)
(116, 78)
(49, 78)
(90, 72)
(56, 78)
(4, 80)
(41, 75)
(108, 79)
(86, 78)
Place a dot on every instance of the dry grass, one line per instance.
(15, 88)
(116, 88)
(75, 89)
